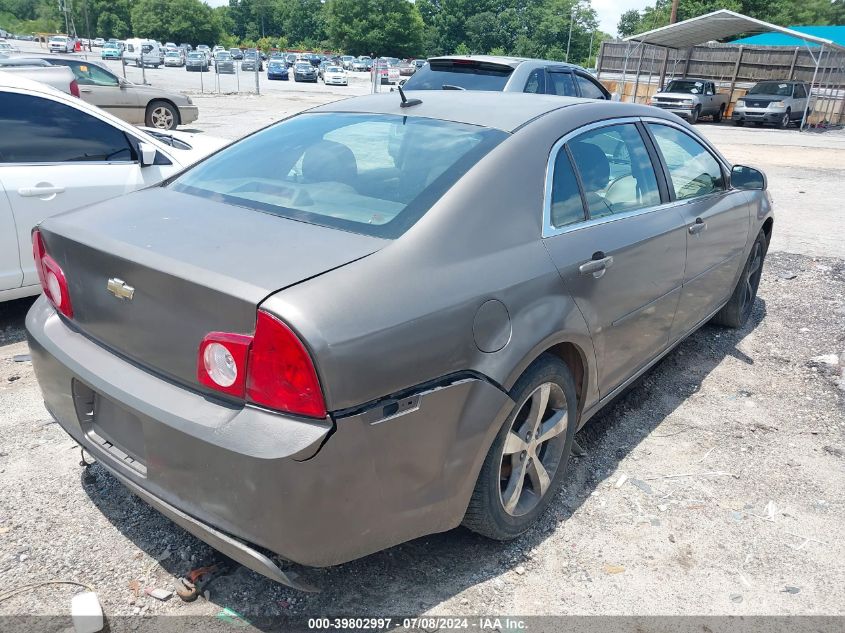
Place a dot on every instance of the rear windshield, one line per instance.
(367, 173)
(460, 75)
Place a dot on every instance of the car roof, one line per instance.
(505, 111)
(505, 60)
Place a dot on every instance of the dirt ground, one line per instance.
(714, 486)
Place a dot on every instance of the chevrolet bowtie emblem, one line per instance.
(120, 289)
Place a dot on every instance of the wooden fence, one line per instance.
(636, 71)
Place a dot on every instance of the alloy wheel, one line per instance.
(162, 118)
(751, 279)
(532, 450)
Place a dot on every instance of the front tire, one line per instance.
(696, 115)
(526, 463)
(738, 309)
(785, 120)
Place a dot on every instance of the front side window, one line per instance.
(694, 171)
(367, 173)
(37, 130)
(616, 171)
(589, 89)
(561, 84)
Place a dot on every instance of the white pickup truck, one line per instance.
(692, 99)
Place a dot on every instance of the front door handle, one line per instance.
(597, 265)
(40, 191)
(699, 226)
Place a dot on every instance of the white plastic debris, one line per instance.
(621, 481)
(86, 613)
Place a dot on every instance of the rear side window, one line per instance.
(561, 84)
(694, 171)
(536, 83)
(588, 88)
(460, 75)
(567, 207)
(615, 169)
(91, 75)
(367, 173)
(37, 130)
(800, 93)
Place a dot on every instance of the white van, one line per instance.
(142, 52)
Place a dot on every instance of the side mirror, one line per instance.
(148, 154)
(748, 178)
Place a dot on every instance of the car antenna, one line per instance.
(406, 102)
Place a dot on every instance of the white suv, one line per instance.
(58, 153)
(61, 44)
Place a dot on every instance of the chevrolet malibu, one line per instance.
(386, 317)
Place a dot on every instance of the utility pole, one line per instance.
(569, 39)
(87, 24)
(674, 15)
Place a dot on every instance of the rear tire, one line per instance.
(161, 115)
(522, 470)
(738, 309)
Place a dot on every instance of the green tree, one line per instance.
(629, 23)
(175, 20)
(383, 27)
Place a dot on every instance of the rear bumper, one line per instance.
(314, 492)
(188, 113)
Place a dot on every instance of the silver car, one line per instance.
(773, 102)
(134, 103)
(387, 316)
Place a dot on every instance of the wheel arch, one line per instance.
(767, 229)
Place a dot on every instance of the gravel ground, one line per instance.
(713, 487)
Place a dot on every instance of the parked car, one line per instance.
(362, 64)
(418, 63)
(142, 52)
(61, 44)
(304, 71)
(236, 53)
(335, 76)
(277, 69)
(39, 70)
(111, 50)
(59, 152)
(203, 48)
(406, 68)
(250, 60)
(692, 99)
(7, 49)
(323, 65)
(134, 103)
(186, 47)
(387, 73)
(224, 63)
(507, 74)
(174, 58)
(346, 61)
(265, 359)
(99, 42)
(290, 60)
(197, 62)
(775, 102)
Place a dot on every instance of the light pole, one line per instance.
(569, 39)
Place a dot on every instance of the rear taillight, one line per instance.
(52, 277)
(272, 368)
(74, 88)
(222, 362)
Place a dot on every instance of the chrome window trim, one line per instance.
(549, 230)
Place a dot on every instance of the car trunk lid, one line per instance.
(194, 266)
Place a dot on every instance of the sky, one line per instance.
(608, 11)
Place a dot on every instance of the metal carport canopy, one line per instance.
(718, 25)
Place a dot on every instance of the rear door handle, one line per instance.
(85, 90)
(597, 265)
(699, 226)
(38, 191)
